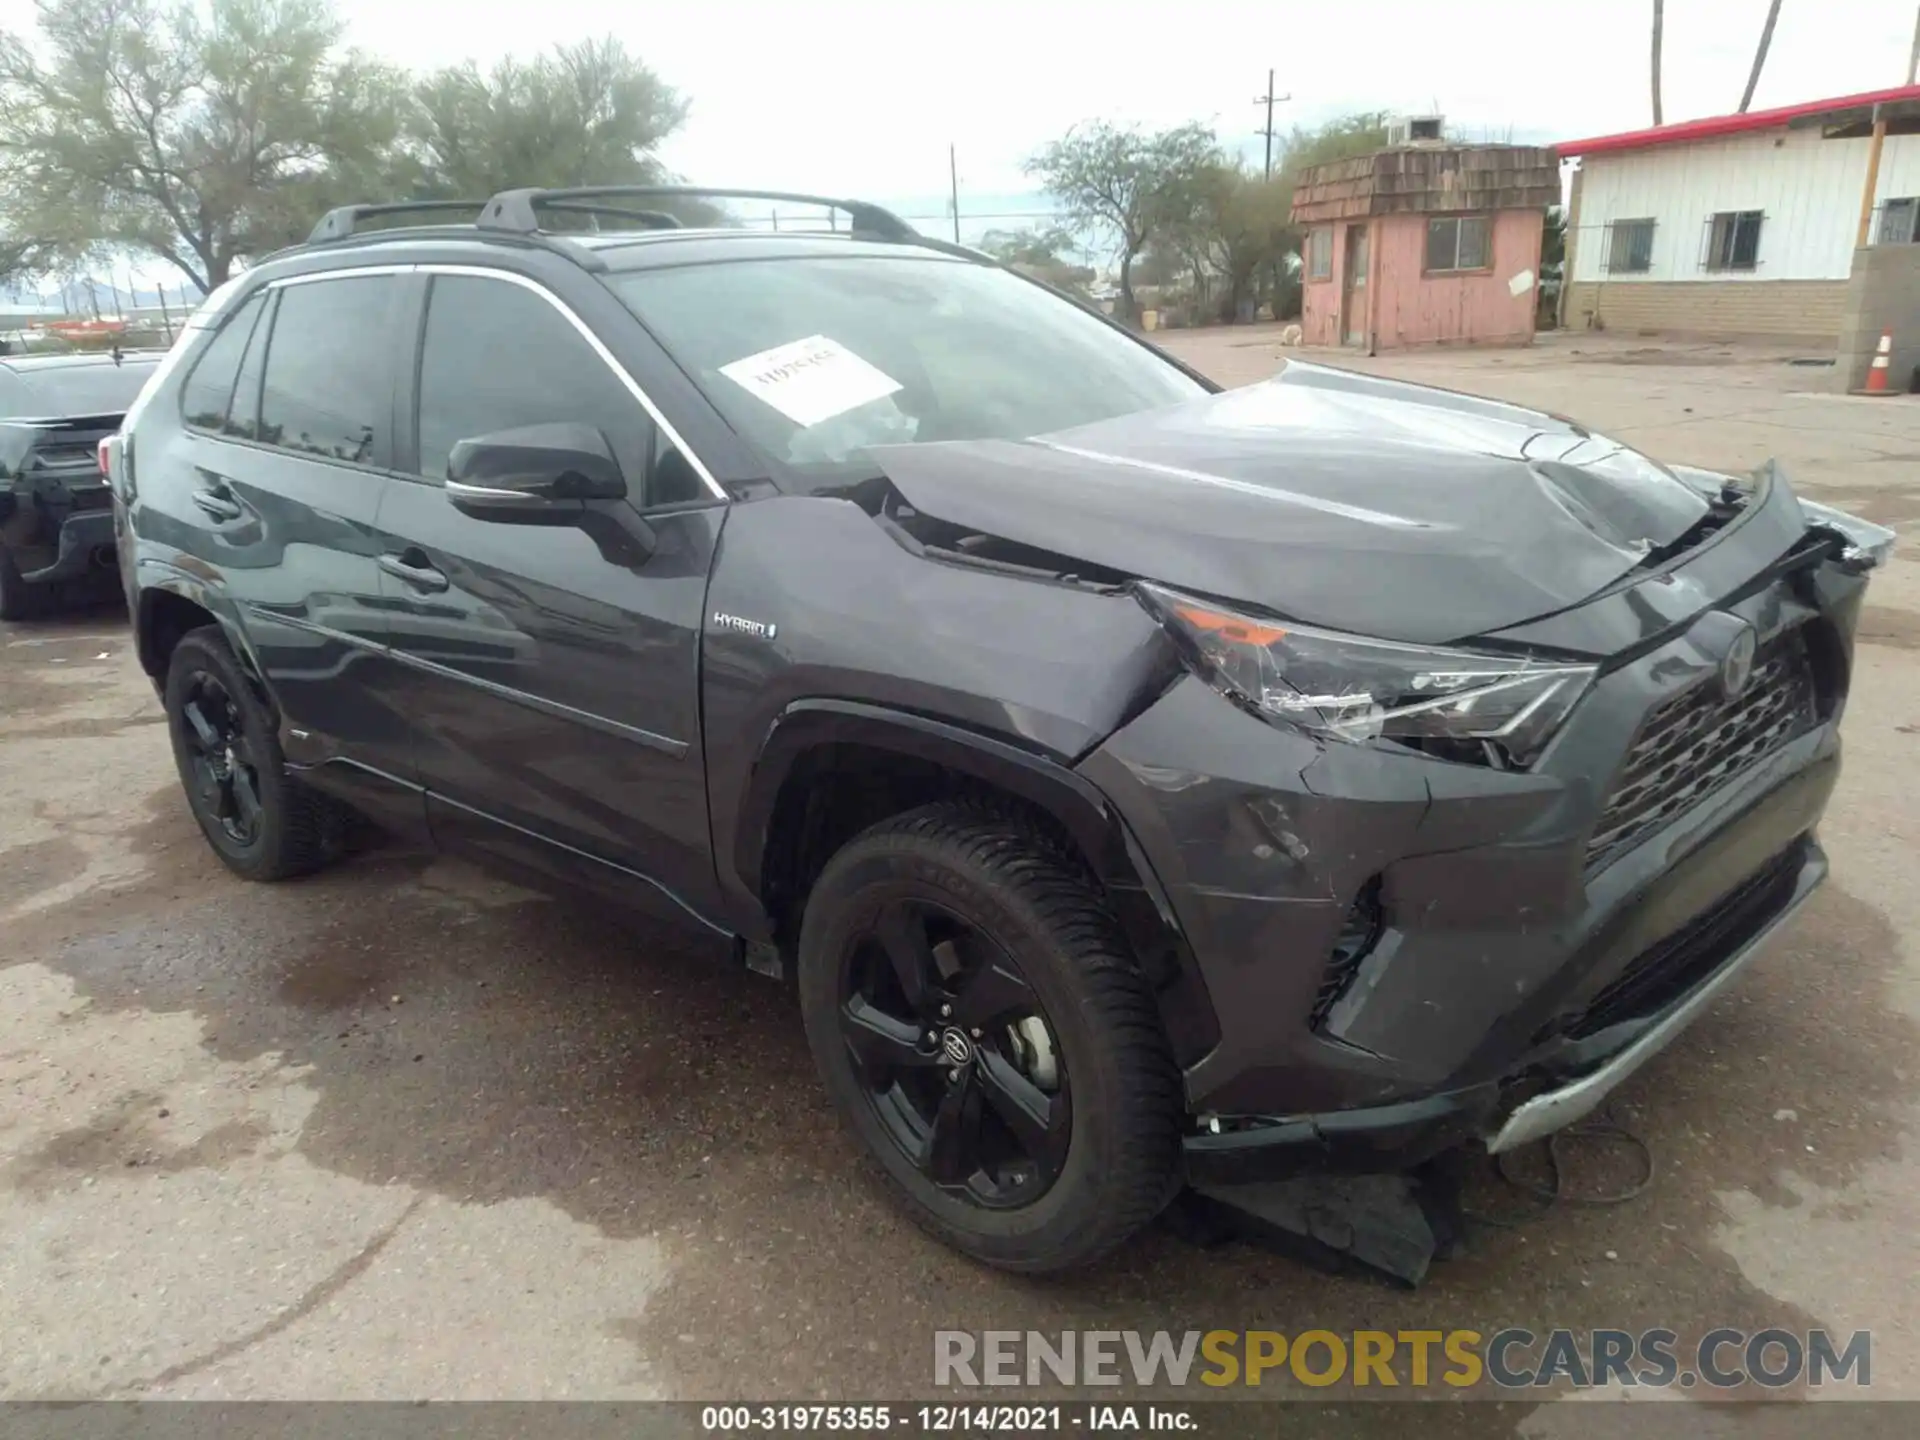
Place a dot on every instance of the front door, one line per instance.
(1353, 297)
(554, 669)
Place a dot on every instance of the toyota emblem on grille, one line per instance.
(1737, 668)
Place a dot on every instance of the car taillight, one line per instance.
(105, 456)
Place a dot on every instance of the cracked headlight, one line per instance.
(1456, 704)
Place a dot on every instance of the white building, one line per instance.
(1739, 225)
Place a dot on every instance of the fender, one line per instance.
(166, 578)
(1075, 803)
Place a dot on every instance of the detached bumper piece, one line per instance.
(1388, 1225)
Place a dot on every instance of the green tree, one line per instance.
(1045, 254)
(201, 133)
(584, 114)
(1137, 183)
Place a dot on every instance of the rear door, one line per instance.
(274, 490)
(554, 685)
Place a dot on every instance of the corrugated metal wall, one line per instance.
(1808, 188)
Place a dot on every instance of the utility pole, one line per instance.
(1879, 140)
(953, 190)
(1269, 100)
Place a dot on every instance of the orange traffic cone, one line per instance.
(1882, 361)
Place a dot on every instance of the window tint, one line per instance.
(498, 356)
(209, 385)
(243, 413)
(328, 383)
(56, 391)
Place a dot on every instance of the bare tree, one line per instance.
(1659, 25)
(1760, 55)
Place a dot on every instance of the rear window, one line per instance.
(208, 390)
(814, 359)
(56, 392)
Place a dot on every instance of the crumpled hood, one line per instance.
(1328, 497)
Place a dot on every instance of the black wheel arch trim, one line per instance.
(1073, 802)
(172, 580)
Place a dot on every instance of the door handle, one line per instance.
(217, 502)
(412, 567)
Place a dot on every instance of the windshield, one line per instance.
(814, 359)
(57, 391)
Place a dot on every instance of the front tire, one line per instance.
(985, 1034)
(260, 821)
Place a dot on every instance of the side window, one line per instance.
(497, 356)
(243, 413)
(209, 385)
(328, 387)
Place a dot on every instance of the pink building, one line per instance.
(1427, 243)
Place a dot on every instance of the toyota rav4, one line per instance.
(1144, 784)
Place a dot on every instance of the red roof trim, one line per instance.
(1733, 124)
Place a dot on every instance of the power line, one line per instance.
(1269, 100)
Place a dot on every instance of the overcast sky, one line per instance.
(863, 96)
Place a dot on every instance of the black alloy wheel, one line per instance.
(261, 821)
(988, 1037)
(959, 1062)
(225, 771)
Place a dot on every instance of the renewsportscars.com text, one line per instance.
(1509, 1359)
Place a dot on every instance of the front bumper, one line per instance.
(1560, 1107)
(1488, 1003)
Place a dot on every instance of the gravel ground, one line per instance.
(404, 1131)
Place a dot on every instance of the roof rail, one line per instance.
(343, 220)
(518, 210)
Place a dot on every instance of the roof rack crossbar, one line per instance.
(653, 219)
(517, 210)
(343, 220)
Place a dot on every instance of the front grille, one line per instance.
(1697, 741)
(1669, 968)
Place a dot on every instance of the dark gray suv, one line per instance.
(1146, 785)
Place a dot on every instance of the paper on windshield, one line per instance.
(811, 380)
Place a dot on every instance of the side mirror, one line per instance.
(537, 474)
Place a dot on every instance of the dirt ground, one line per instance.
(404, 1131)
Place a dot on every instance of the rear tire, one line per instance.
(1021, 1097)
(260, 821)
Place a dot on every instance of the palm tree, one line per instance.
(1760, 55)
(1658, 21)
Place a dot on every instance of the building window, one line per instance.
(1459, 242)
(1733, 240)
(1320, 253)
(1630, 251)
(1900, 221)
